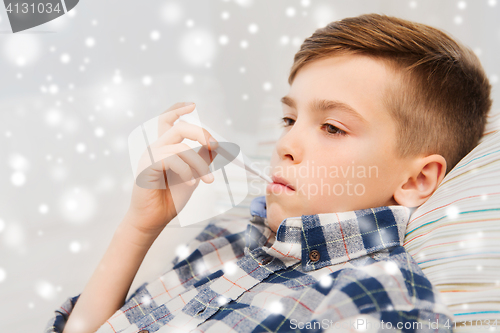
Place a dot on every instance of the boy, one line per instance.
(382, 108)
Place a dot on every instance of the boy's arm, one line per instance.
(107, 289)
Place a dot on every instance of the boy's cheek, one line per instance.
(360, 182)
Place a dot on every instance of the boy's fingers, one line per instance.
(197, 163)
(211, 142)
(207, 155)
(168, 118)
(178, 105)
(177, 165)
(184, 130)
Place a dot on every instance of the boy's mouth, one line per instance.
(281, 181)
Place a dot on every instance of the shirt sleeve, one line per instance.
(58, 321)
(56, 324)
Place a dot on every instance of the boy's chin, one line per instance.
(277, 211)
(275, 214)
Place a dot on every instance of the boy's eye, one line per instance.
(331, 130)
(285, 121)
(334, 129)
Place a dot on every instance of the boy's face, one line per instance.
(329, 170)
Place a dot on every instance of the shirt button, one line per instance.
(267, 260)
(144, 331)
(314, 255)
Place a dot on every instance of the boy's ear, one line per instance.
(427, 174)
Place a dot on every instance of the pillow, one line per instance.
(455, 235)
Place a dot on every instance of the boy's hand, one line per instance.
(152, 208)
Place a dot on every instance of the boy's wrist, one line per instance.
(129, 230)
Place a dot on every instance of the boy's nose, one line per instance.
(290, 146)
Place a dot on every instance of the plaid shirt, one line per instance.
(326, 272)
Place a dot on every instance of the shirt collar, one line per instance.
(321, 240)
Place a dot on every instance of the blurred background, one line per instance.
(73, 89)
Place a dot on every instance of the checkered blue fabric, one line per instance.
(334, 272)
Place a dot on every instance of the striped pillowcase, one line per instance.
(455, 235)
